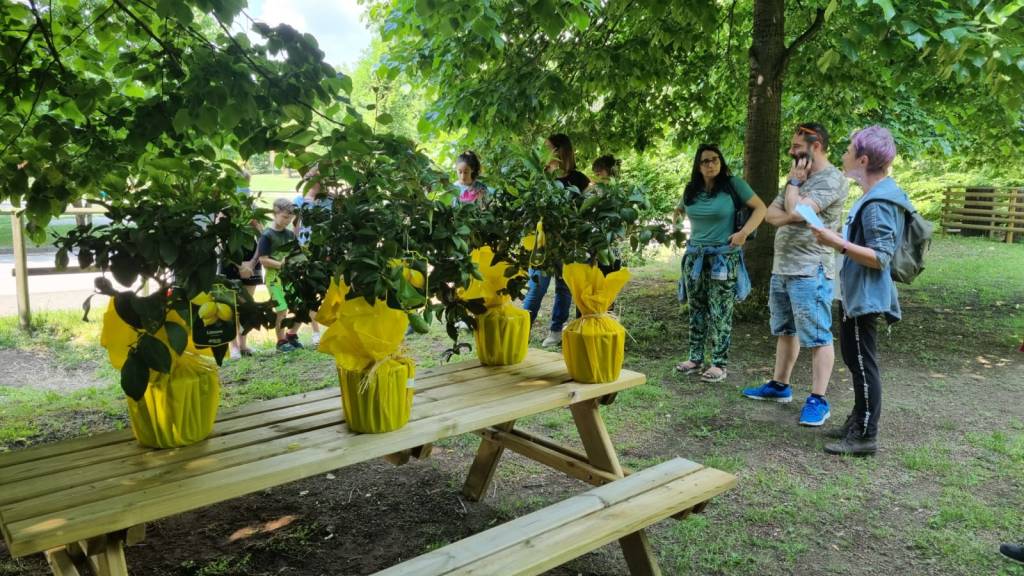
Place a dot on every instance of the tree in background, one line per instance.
(947, 76)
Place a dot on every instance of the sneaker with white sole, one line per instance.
(769, 391)
(815, 411)
(553, 339)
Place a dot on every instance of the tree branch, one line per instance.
(168, 49)
(812, 30)
(47, 37)
(267, 76)
(17, 56)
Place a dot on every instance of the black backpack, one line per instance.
(908, 258)
(743, 211)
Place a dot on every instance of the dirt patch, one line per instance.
(39, 370)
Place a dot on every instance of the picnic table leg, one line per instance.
(484, 465)
(601, 454)
(61, 563)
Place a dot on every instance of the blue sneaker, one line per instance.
(815, 412)
(767, 391)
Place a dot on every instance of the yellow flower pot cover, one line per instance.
(503, 332)
(364, 340)
(380, 401)
(179, 408)
(594, 345)
(503, 335)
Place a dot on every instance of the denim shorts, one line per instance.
(802, 306)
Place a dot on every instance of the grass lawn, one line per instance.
(5, 233)
(945, 489)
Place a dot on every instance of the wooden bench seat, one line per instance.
(554, 535)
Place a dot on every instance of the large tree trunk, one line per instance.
(768, 58)
(764, 117)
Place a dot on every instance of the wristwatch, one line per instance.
(846, 244)
(795, 182)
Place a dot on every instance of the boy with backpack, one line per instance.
(884, 241)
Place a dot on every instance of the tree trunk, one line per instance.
(764, 116)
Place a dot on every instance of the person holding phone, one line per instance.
(800, 292)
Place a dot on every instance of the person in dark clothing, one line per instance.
(564, 166)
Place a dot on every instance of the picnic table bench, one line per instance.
(81, 501)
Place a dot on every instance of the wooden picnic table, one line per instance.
(80, 501)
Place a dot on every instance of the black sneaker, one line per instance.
(840, 433)
(853, 444)
(285, 346)
(1013, 552)
(293, 339)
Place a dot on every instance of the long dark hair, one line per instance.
(696, 183)
(563, 151)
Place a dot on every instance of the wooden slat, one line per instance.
(575, 465)
(556, 547)
(954, 224)
(951, 202)
(984, 212)
(431, 378)
(27, 500)
(530, 535)
(959, 193)
(173, 497)
(994, 218)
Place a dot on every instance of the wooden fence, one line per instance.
(978, 211)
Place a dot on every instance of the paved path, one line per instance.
(56, 292)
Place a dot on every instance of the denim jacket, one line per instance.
(719, 269)
(877, 221)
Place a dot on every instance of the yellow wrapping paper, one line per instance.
(377, 384)
(534, 241)
(179, 408)
(503, 332)
(594, 345)
(381, 403)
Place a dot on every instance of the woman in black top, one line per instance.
(564, 165)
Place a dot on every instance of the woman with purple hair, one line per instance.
(874, 229)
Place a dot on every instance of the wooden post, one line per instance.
(601, 453)
(1013, 216)
(486, 462)
(21, 271)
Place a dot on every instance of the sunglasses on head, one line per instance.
(809, 132)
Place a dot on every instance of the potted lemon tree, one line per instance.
(167, 343)
(388, 251)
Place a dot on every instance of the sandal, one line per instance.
(710, 376)
(688, 367)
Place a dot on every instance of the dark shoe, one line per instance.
(293, 339)
(1013, 552)
(842, 431)
(245, 352)
(853, 445)
(285, 346)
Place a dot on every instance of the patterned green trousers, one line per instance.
(711, 305)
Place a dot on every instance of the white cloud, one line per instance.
(337, 25)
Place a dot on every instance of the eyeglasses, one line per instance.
(710, 161)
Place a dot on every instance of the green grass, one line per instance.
(273, 182)
(6, 241)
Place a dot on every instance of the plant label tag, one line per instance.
(809, 216)
(214, 317)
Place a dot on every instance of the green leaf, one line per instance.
(181, 120)
(207, 120)
(62, 259)
(134, 376)
(154, 353)
(124, 268)
(954, 34)
(177, 336)
(384, 119)
(887, 10)
(168, 252)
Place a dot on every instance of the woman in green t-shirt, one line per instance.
(714, 275)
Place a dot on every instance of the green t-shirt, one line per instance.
(271, 244)
(712, 217)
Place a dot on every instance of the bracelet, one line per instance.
(846, 244)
